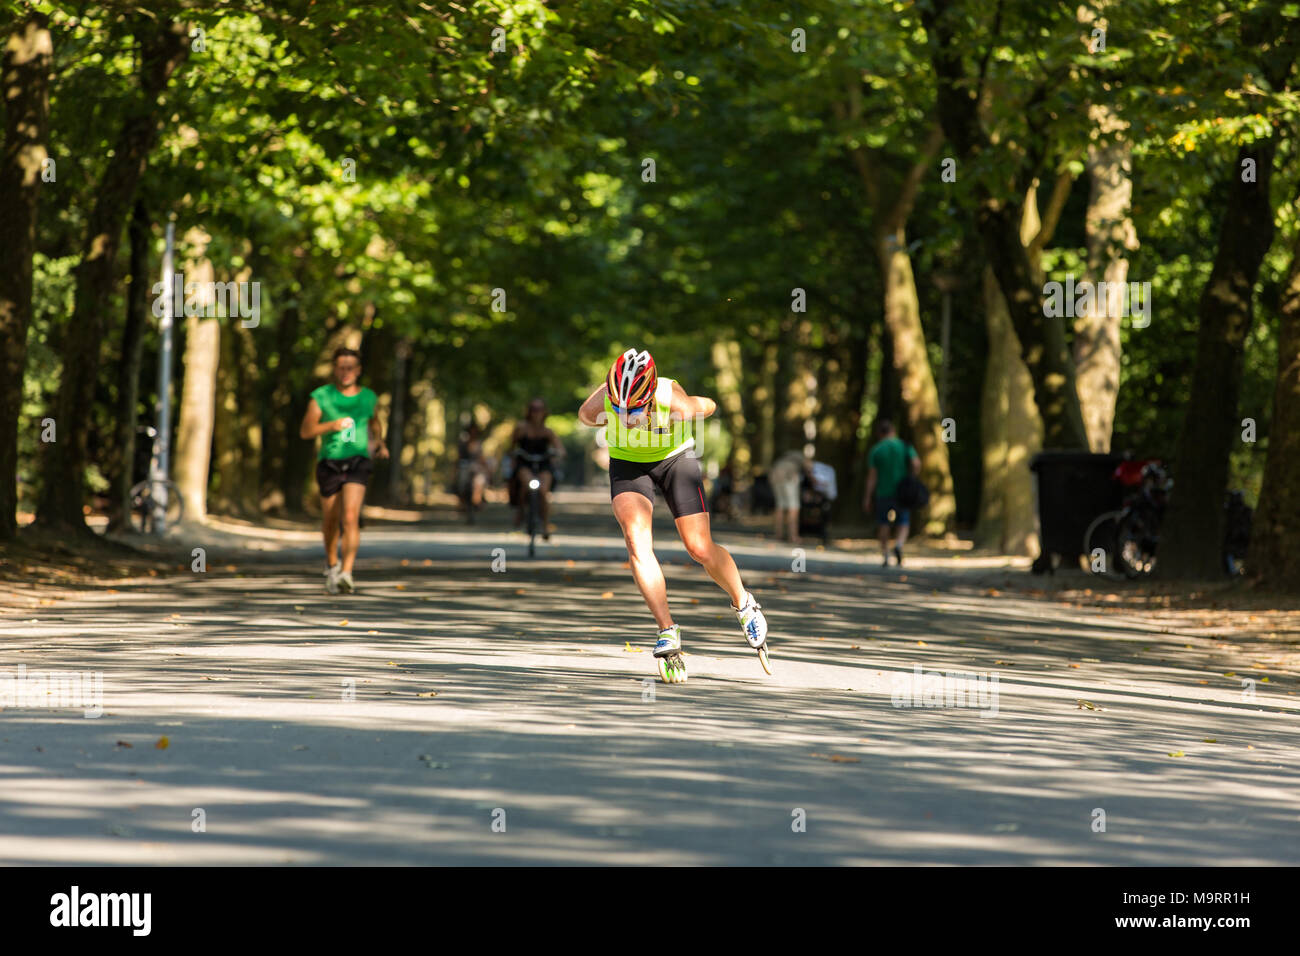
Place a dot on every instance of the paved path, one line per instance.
(545, 718)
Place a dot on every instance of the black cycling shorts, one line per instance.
(678, 478)
(333, 473)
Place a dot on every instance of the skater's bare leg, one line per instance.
(352, 495)
(695, 534)
(634, 512)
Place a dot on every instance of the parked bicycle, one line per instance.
(1126, 540)
(153, 497)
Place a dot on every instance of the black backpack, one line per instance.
(912, 492)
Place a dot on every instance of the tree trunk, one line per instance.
(1012, 433)
(1192, 534)
(799, 399)
(1275, 539)
(765, 405)
(889, 397)
(1010, 426)
(163, 48)
(397, 423)
(844, 377)
(194, 424)
(915, 379)
(238, 437)
(132, 354)
(727, 372)
(25, 75)
(1111, 235)
(284, 408)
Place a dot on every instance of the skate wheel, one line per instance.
(672, 670)
(762, 659)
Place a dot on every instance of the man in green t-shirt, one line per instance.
(342, 414)
(890, 459)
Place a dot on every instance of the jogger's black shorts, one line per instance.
(677, 477)
(333, 473)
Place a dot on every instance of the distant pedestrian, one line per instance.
(786, 473)
(890, 459)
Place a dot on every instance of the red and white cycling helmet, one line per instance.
(632, 380)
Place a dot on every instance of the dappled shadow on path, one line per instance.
(544, 708)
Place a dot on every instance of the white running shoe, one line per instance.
(670, 641)
(332, 579)
(345, 582)
(750, 616)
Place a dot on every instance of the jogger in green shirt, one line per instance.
(342, 414)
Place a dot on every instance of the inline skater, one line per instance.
(648, 436)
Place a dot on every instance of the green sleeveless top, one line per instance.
(649, 437)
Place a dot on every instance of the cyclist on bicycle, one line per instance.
(534, 447)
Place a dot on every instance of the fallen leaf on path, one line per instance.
(372, 632)
(521, 590)
(123, 743)
(1074, 665)
(1088, 705)
(570, 563)
(837, 758)
(1230, 674)
(627, 646)
(343, 623)
(432, 693)
(921, 644)
(1210, 740)
(400, 587)
(1177, 753)
(607, 594)
(427, 563)
(163, 743)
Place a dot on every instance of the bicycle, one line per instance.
(1128, 537)
(152, 495)
(534, 495)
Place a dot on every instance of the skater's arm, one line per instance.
(313, 427)
(870, 490)
(592, 411)
(690, 406)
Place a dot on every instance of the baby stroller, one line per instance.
(817, 493)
